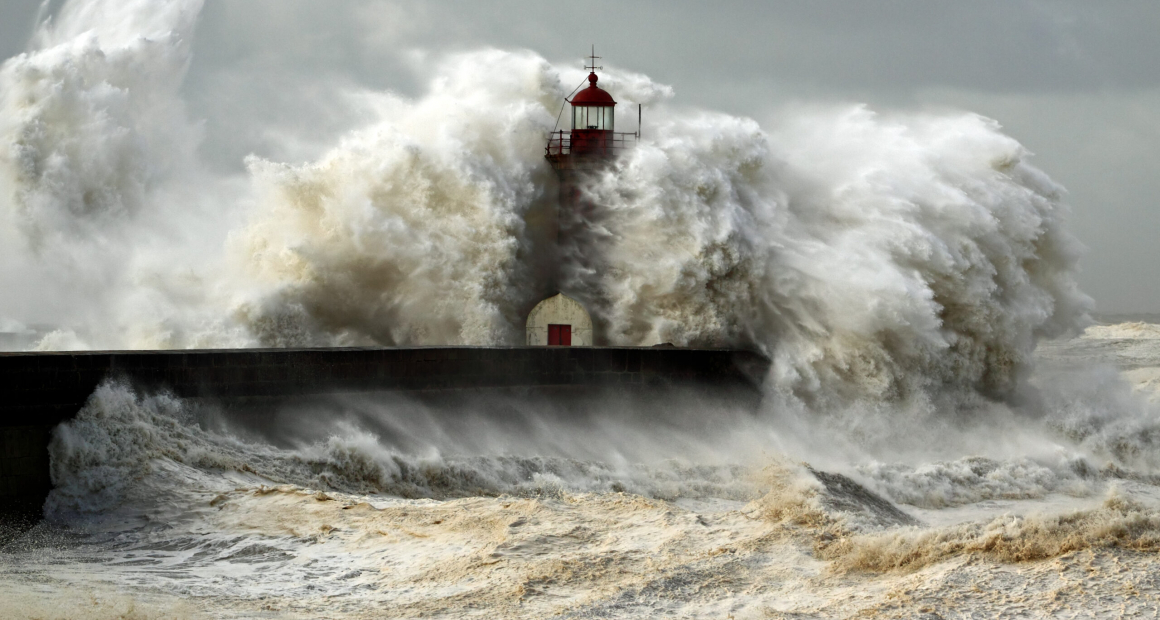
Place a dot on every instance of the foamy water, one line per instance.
(160, 511)
(932, 440)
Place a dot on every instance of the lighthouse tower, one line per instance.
(590, 145)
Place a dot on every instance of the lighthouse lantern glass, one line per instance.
(592, 117)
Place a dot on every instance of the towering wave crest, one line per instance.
(898, 269)
(414, 230)
(871, 257)
(93, 120)
(98, 209)
(874, 258)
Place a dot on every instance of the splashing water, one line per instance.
(869, 256)
(899, 269)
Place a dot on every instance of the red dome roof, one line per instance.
(593, 95)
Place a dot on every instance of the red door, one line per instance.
(560, 335)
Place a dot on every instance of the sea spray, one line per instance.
(899, 268)
(413, 230)
(871, 257)
(104, 207)
(881, 257)
(130, 448)
(93, 121)
(975, 479)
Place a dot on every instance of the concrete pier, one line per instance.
(40, 390)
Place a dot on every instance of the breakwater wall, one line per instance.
(40, 390)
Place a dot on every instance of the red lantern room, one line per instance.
(593, 119)
(593, 137)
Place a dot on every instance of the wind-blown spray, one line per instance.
(870, 256)
(899, 270)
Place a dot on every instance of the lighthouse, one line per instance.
(588, 146)
(593, 140)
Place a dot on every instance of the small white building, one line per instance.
(559, 321)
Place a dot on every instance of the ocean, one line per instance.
(160, 513)
(945, 431)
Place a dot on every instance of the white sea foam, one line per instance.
(1135, 330)
(899, 269)
(974, 479)
(127, 448)
(413, 230)
(235, 538)
(871, 256)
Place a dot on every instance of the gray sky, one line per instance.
(1077, 82)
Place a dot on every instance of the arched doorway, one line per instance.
(559, 321)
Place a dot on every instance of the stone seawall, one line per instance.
(40, 390)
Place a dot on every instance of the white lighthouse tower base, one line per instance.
(559, 321)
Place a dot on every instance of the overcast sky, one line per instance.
(1077, 82)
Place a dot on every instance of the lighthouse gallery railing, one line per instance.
(560, 144)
